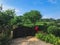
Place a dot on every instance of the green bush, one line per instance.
(53, 30)
(39, 35)
(48, 38)
(42, 27)
(4, 39)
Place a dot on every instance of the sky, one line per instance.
(47, 8)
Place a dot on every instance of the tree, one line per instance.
(6, 16)
(19, 20)
(5, 20)
(33, 16)
(5, 25)
(58, 21)
(48, 20)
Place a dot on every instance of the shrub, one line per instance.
(49, 38)
(5, 38)
(42, 28)
(39, 35)
(58, 42)
(53, 30)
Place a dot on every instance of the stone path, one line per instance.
(28, 41)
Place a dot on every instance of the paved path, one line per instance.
(28, 41)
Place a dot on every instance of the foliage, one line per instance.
(18, 20)
(48, 38)
(5, 26)
(5, 38)
(6, 16)
(33, 16)
(58, 21)
(42, 27)
(53, 30)
(8, 20)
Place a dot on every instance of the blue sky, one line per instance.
(48, 8)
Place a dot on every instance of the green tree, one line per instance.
(5, 25)
(33, 16)
(58, 21)
(6, 16)
(19, 20)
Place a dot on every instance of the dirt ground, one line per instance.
(28, 41)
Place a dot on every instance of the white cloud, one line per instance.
(52, 1)
(18, 11)
(5, 7)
